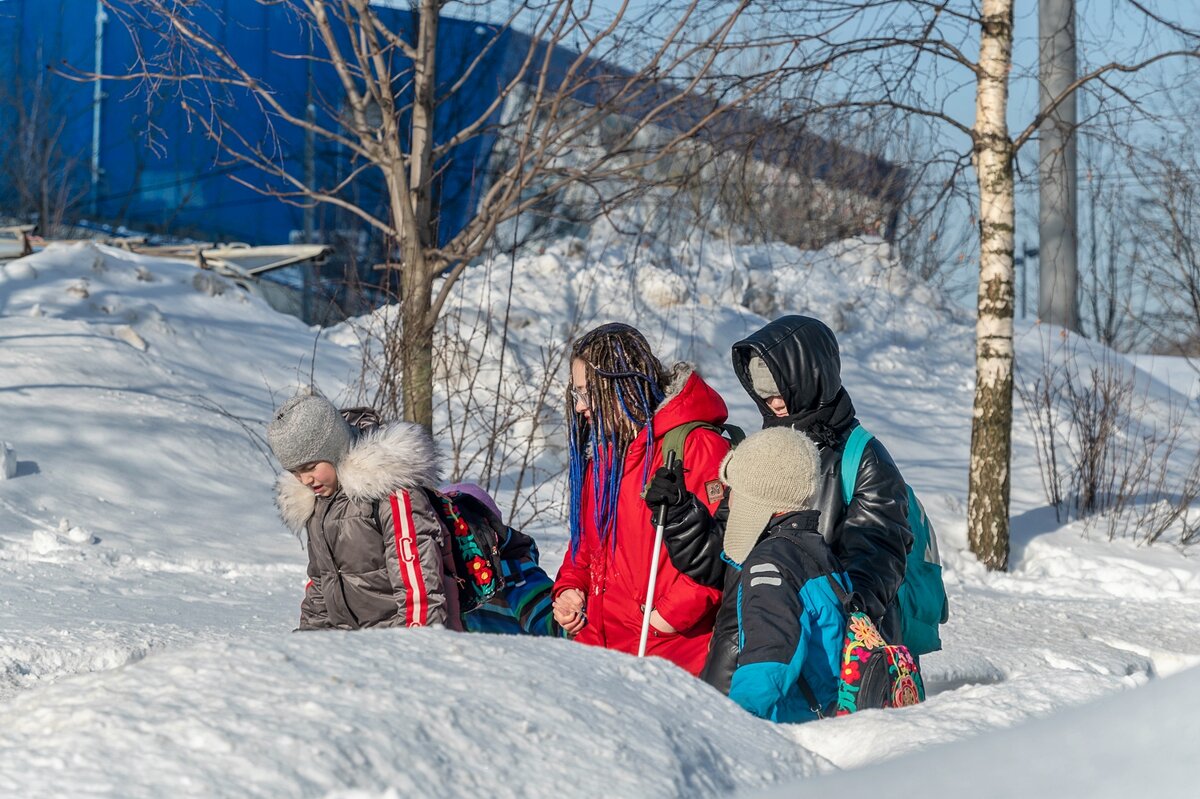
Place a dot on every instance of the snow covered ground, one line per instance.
(148, 590)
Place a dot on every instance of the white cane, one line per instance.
(659, 523)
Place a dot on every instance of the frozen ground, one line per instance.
(148, 591)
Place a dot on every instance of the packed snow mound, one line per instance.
(96, 283)
(389, 712)
(1076, 561)
(501, 348)
(1133, 744)
(1124, 421)
(138, 512)
(136, 390)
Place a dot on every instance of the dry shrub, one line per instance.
(1108, 452)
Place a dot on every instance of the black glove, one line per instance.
(666, 487)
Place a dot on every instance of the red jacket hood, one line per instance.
(689, 399)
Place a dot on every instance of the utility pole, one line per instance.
(311, 281)
(101, 19)
(1058, 284)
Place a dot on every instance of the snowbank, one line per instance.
(1137, 744)
(388, 712)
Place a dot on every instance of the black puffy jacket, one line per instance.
(870, 537)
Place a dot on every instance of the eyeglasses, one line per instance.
(580, 397)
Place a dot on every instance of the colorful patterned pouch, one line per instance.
(875, 674)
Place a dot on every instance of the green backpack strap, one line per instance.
(674, 439)
(852, 459)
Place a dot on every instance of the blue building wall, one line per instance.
(33, 37)
(159, 171)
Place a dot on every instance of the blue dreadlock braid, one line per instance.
(625, 387)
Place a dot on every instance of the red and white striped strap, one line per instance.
(416, 609)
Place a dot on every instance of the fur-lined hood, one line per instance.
(382, 461)
(677, 377)
(687, 398)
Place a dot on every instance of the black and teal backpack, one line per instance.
(922, 595)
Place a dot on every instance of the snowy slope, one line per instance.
(148, 589)
(1136, 744)
(140, 515)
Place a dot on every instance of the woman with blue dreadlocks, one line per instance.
(621, 405)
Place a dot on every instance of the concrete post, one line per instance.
(1058, 291)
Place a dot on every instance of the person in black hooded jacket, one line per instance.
(792, 369)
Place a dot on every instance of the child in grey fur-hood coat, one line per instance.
(378, 552)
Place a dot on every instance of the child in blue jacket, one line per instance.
(776, 648)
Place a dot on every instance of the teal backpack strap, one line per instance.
(851, 459)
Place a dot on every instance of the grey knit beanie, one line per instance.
(308, 428)
(761, 378)
(773, 471)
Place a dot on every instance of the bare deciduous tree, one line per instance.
(911, 55)
(1168, 232)
(678, 78)
(46, 182)
(696, 62)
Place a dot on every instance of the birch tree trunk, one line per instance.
(991, 426)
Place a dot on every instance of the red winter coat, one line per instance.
(614, 578)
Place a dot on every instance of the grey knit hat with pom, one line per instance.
(308, 428)
(773, 471)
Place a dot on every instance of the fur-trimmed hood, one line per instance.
(677, 377)
(384, 460)
(687, 398)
